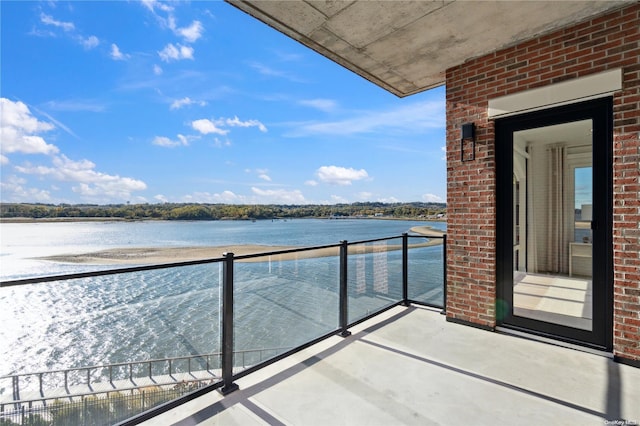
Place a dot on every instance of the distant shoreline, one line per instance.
(120, 219)
(158, 255)
(66, 219)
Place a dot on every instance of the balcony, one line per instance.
(409, 366)
(356, 336)
(159, 332)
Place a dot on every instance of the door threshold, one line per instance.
(550, 341)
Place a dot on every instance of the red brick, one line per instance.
(606, 42)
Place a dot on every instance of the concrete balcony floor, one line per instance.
(409, 366)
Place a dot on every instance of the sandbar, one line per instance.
(427, 231)
(159, 255)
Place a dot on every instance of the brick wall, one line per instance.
(602, 43)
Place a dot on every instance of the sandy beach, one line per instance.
(157, 255)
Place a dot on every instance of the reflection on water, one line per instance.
(175, 312)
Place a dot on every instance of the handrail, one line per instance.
(146, 361)
(227, 362)
(15, 378)
(284, 251)
(155, 266)
(91, 274)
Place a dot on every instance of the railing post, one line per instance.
(40, 382)
(405, 269)
(344, 305)
(16, 388)
(444, 275)
(227, 326)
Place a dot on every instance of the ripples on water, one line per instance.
(175, 312)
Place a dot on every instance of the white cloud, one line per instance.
(413, 118)
(19, 130)
(279, 196)
(219, 143)
(326, 105)
(336, 199)
(74, 105)
(225, 197)
(179, 103)
(152, 4)
(259, 196)
(14, 190)
(205, 127)
(271, 72)
(311, 183)
(261, 173)
(19, 134)
(365, 195)
(175, 53)
(192, 32)
(389, 200)
(89, 182)
(17, 114)
(228, 196)
(161, 198)
(48, 20)
(166, 142)
(288, 56)
(57, 123)
(432, 198)
(4, 160)
(89, 42)
(116, 54)
(236, 122)
(157, 70)
(340, 175)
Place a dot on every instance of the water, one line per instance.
(23, 243)
(175, 312)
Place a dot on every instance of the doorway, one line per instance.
(554, 208)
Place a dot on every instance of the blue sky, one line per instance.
(150, 102)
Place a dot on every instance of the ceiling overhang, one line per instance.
(406, 47)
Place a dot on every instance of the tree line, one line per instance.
(171, 211)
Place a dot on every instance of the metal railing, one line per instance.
(232, 365)
(82, 381)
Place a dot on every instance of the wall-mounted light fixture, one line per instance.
(468, 141)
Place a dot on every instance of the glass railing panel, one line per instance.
(282, 301)
(374, 277)
(150, 335)
(426, 271)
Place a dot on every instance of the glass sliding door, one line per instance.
(548, 280)
(546, 285)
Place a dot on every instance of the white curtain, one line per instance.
(557, 241)
(532, 221)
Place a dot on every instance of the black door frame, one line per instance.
(601, 112)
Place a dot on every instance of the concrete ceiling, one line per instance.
(405, 47)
